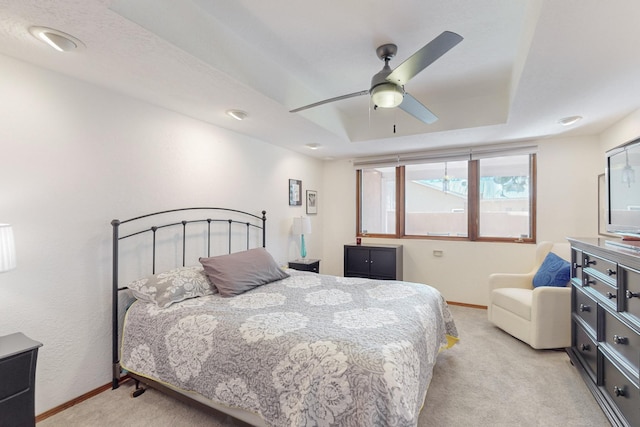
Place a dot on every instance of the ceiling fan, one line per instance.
(387, 86)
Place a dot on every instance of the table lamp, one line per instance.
(302, 226)
(7, 248)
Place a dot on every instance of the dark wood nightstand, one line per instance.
(306, 265)
(18, 355)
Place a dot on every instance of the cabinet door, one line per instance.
(383, 264)
(356, 262)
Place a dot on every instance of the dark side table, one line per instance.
(306, 265)
(18, 355)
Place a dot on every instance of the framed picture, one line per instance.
(312, 202)
(295, 192)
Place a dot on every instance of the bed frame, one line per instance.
(238, 223)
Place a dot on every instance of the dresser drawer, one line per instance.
(16, 375)
(605, 267)
(622, 340)
(622, 392)
(631, 291)
(587, 349)
(586, 308)
(609, 293)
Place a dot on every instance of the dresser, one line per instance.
(18, 355)
(605, 343)
(373, 261)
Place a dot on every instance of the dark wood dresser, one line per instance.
(373, 261)
(605, 346)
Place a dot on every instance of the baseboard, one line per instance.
(464, 304)
(53, 411)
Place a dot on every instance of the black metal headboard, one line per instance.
(238, 222)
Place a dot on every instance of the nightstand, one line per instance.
(306, 265)
(18, 355)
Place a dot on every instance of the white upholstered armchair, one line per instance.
(540, 316)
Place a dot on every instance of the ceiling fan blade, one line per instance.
(416, 109)
(424, 57)
(326, 101)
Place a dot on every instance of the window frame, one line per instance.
(473, 216)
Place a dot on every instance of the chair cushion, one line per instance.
(516, 300)
(554, 271)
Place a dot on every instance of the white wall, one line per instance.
(74, 157)
(567, 206)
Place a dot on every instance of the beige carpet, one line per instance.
(487, 379)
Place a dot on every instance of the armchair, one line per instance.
(541, 317)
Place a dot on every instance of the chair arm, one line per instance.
(510, 280)
(551, 313)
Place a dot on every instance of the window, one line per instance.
(436, 202)
(505, 207)
(487, 198)
(378, 201)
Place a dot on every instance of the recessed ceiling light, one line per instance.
(568, 121)
(62, 42)
(237, 114)
(313, 146)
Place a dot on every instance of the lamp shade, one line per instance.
(7, 248)
(301, 225)
(387, 95)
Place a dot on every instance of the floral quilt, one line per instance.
(309, 350)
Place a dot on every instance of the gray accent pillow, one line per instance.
(240, 272)
(166, 288)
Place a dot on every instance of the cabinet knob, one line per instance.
(588, 263)
(618, 391)
(576, 265)
(611, 272)
(617, 339)
(630, 294)
(585, 347)
(584, 308)
(588, 282)
(611, 295)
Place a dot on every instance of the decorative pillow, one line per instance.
(163, 289)
(554, 271)
(240, 272)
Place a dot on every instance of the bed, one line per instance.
(268, 345)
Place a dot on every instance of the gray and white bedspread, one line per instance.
(309, 350)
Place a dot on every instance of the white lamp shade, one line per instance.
(302, 225)
(7, 248)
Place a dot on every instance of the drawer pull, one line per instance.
(585, 347)
(587, 262)
(617, 339)
(611, 295)
(588, 282)
(630, 294)
(576, 265)
(584, 308)
(618, 391)
(611, 272)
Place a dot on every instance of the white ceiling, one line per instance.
(521, 67)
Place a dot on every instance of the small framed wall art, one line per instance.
(312, 202)
(295, 192)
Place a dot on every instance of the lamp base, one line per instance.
(303, 248)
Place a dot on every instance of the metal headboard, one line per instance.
(241, 221)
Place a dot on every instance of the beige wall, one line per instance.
(567, 206)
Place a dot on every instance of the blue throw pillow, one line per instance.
(554, 271)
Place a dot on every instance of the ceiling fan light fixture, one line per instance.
(387, 95)
(62, 42)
